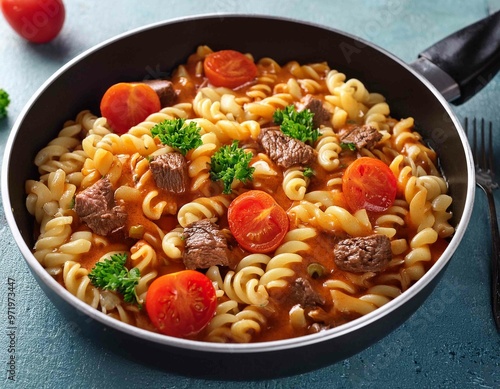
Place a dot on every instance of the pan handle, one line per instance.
(461, 64)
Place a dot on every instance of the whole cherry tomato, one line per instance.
(38, 21)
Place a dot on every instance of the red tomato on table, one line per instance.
(38, 21)
(369, 184)
(127, 104)
(181, 304)
(257, 222)
(229, 68)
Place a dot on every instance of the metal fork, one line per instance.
(482, 150)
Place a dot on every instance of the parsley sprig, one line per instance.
(111, 274)
(229, 163)
(4, 103)
(178, 134)
(298, 125)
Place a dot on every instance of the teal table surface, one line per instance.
(458, 347)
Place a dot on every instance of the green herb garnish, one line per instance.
(298, 125)
(178, 134)
(308, 172)
(4, 103)
(111, 274)
(348, 146)
(229, 163)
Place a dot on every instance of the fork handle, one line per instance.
(495, 260)
(470, 56)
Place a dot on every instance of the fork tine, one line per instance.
(491, 164)
(469, 134)
(484, 159)
(471, 137)
(474, 141)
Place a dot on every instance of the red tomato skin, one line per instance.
(229, 68)
(38, 21)
(245, 213)
(369, 183)
(127, 104)
(181, 304)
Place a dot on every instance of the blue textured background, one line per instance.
(457, 346)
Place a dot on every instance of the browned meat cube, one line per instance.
(170, 172)
(362, 137)
(284, 150)
(96, 207)
(321, 114)
(165, 91)
(205, 245)
(358, 255)
(302, 292)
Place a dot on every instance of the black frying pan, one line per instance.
(152, 52)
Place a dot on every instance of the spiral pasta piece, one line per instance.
(77, 282)
(262, 111)
(294, 240)
(143, 257)
(203, 208)
(173, 243)
(295, 183)
(333, 218)
(277, 270)
(328, 148)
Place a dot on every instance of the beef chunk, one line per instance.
(302, 293)
(321, 114)
(364, 136)
(359, 255)
(96, 207)
(284, 150)
(165, 91)
(205, 245)
(170, 172)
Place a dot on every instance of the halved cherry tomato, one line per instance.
(229, 68)
(127, 104)
(369, 184)
(257, 222)
(35, 20)
(181, 304)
